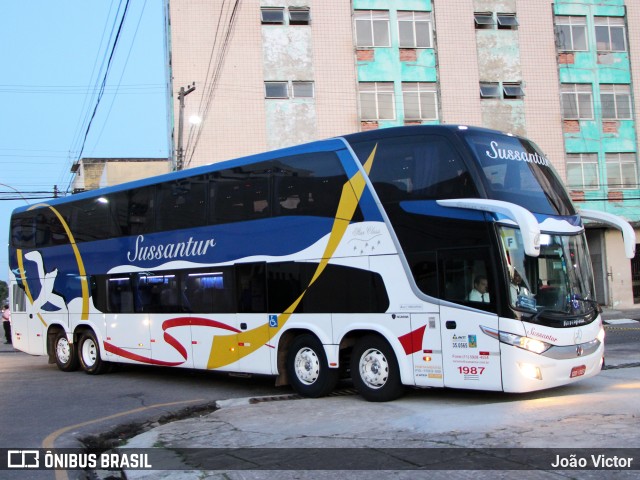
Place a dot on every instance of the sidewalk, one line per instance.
(614, 314)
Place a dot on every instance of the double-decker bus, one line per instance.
(422, 256)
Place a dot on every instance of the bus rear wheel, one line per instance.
(307, 368)
(65, 353)
(89, 353)
(374, 370)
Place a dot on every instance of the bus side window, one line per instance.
(308, 184)
(23, 230)
(117, 297)
(251, 287)
(240, 194)
(461, 269)
(182, 203)
(209, 291)
(19, 298)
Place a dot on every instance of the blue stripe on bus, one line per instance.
(431, 208)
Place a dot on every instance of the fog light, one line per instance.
(530, 371)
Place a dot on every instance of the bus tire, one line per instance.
(308, 369)
(89, 354)
(374, 370)
(65, 352)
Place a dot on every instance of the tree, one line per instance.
(4, 292)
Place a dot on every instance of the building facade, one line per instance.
(273, 73)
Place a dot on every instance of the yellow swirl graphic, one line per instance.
(224, 348)
(81, 270)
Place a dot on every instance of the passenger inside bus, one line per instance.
(480, 291)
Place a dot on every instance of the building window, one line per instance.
(377, 101)
(372, 28)
(489, 90)
(512, 90)
(484, 20)
(302, 89)
(420, 101)
(299, 16)
(507, 21)
(299, 89)
(616, 102)
(414, 29)
(622, 170)
(571, 33)
(276, 90)
(272, 16)
(577, 102)
(582, 171)
(610, 34)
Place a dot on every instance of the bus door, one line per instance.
(471, 358)
(427, 353)
(23, 323)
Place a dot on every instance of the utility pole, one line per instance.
(181, 94)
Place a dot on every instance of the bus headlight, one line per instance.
(526, 343)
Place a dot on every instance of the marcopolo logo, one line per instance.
(23, 459)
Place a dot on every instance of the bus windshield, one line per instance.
(560, 280)
(515, 170)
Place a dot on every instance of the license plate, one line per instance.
(578, 371)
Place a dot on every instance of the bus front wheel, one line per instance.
(65, 353)
(307, 368)
(374, 370)
(89, 353)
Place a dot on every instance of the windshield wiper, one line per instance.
(574, 297)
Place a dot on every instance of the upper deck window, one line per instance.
(417, 168)
(515, 171)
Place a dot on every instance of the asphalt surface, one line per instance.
(345, 435)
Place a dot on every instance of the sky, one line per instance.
(54, 58)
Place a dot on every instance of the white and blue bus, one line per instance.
(426, 256)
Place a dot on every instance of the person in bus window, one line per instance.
(518, 287)
(480, 292)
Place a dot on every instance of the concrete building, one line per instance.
(92, 173)
(272, 73)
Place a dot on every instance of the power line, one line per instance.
(104, 79)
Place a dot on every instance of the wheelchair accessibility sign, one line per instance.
(273, 321)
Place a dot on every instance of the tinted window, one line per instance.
(88, 219)
(515, 171)
(338, 289)
(210, 291)
(37, 228)
(251, 288)
(23, 230)
(241, 194)
(308, 184)
(417, 167)
(182, 203)
(134, 210)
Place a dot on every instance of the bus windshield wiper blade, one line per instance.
(577, 298)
